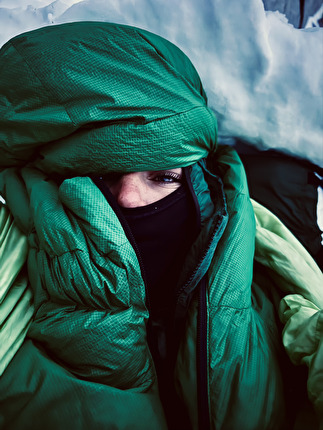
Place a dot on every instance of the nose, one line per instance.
(129, 191)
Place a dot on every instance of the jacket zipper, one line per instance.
(202, 329)
(202, 360)
(208, 246)
(201, 342)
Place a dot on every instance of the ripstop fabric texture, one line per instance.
(75, 97)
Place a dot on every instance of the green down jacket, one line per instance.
(90, 98)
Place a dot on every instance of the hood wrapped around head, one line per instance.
(92, 97)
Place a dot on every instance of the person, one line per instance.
(148, 309)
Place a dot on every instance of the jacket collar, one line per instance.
(208, 191)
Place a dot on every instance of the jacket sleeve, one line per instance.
(301, 309)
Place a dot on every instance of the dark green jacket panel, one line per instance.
(245, 381)
(36, 393)
(245, 386)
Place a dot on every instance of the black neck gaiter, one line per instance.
(163, 232)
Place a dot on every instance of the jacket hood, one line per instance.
(88, 97)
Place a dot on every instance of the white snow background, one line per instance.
(263, 77)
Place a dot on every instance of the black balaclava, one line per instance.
(163, 232)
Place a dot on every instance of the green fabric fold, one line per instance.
(73, 109)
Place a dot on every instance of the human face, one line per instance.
(137, 189)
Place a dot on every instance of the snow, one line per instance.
(313, 21)
(17, 16)
(263, 77)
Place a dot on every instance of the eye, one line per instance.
(166, 177)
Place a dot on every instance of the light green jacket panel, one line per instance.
(16, 307)
(301, 310)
